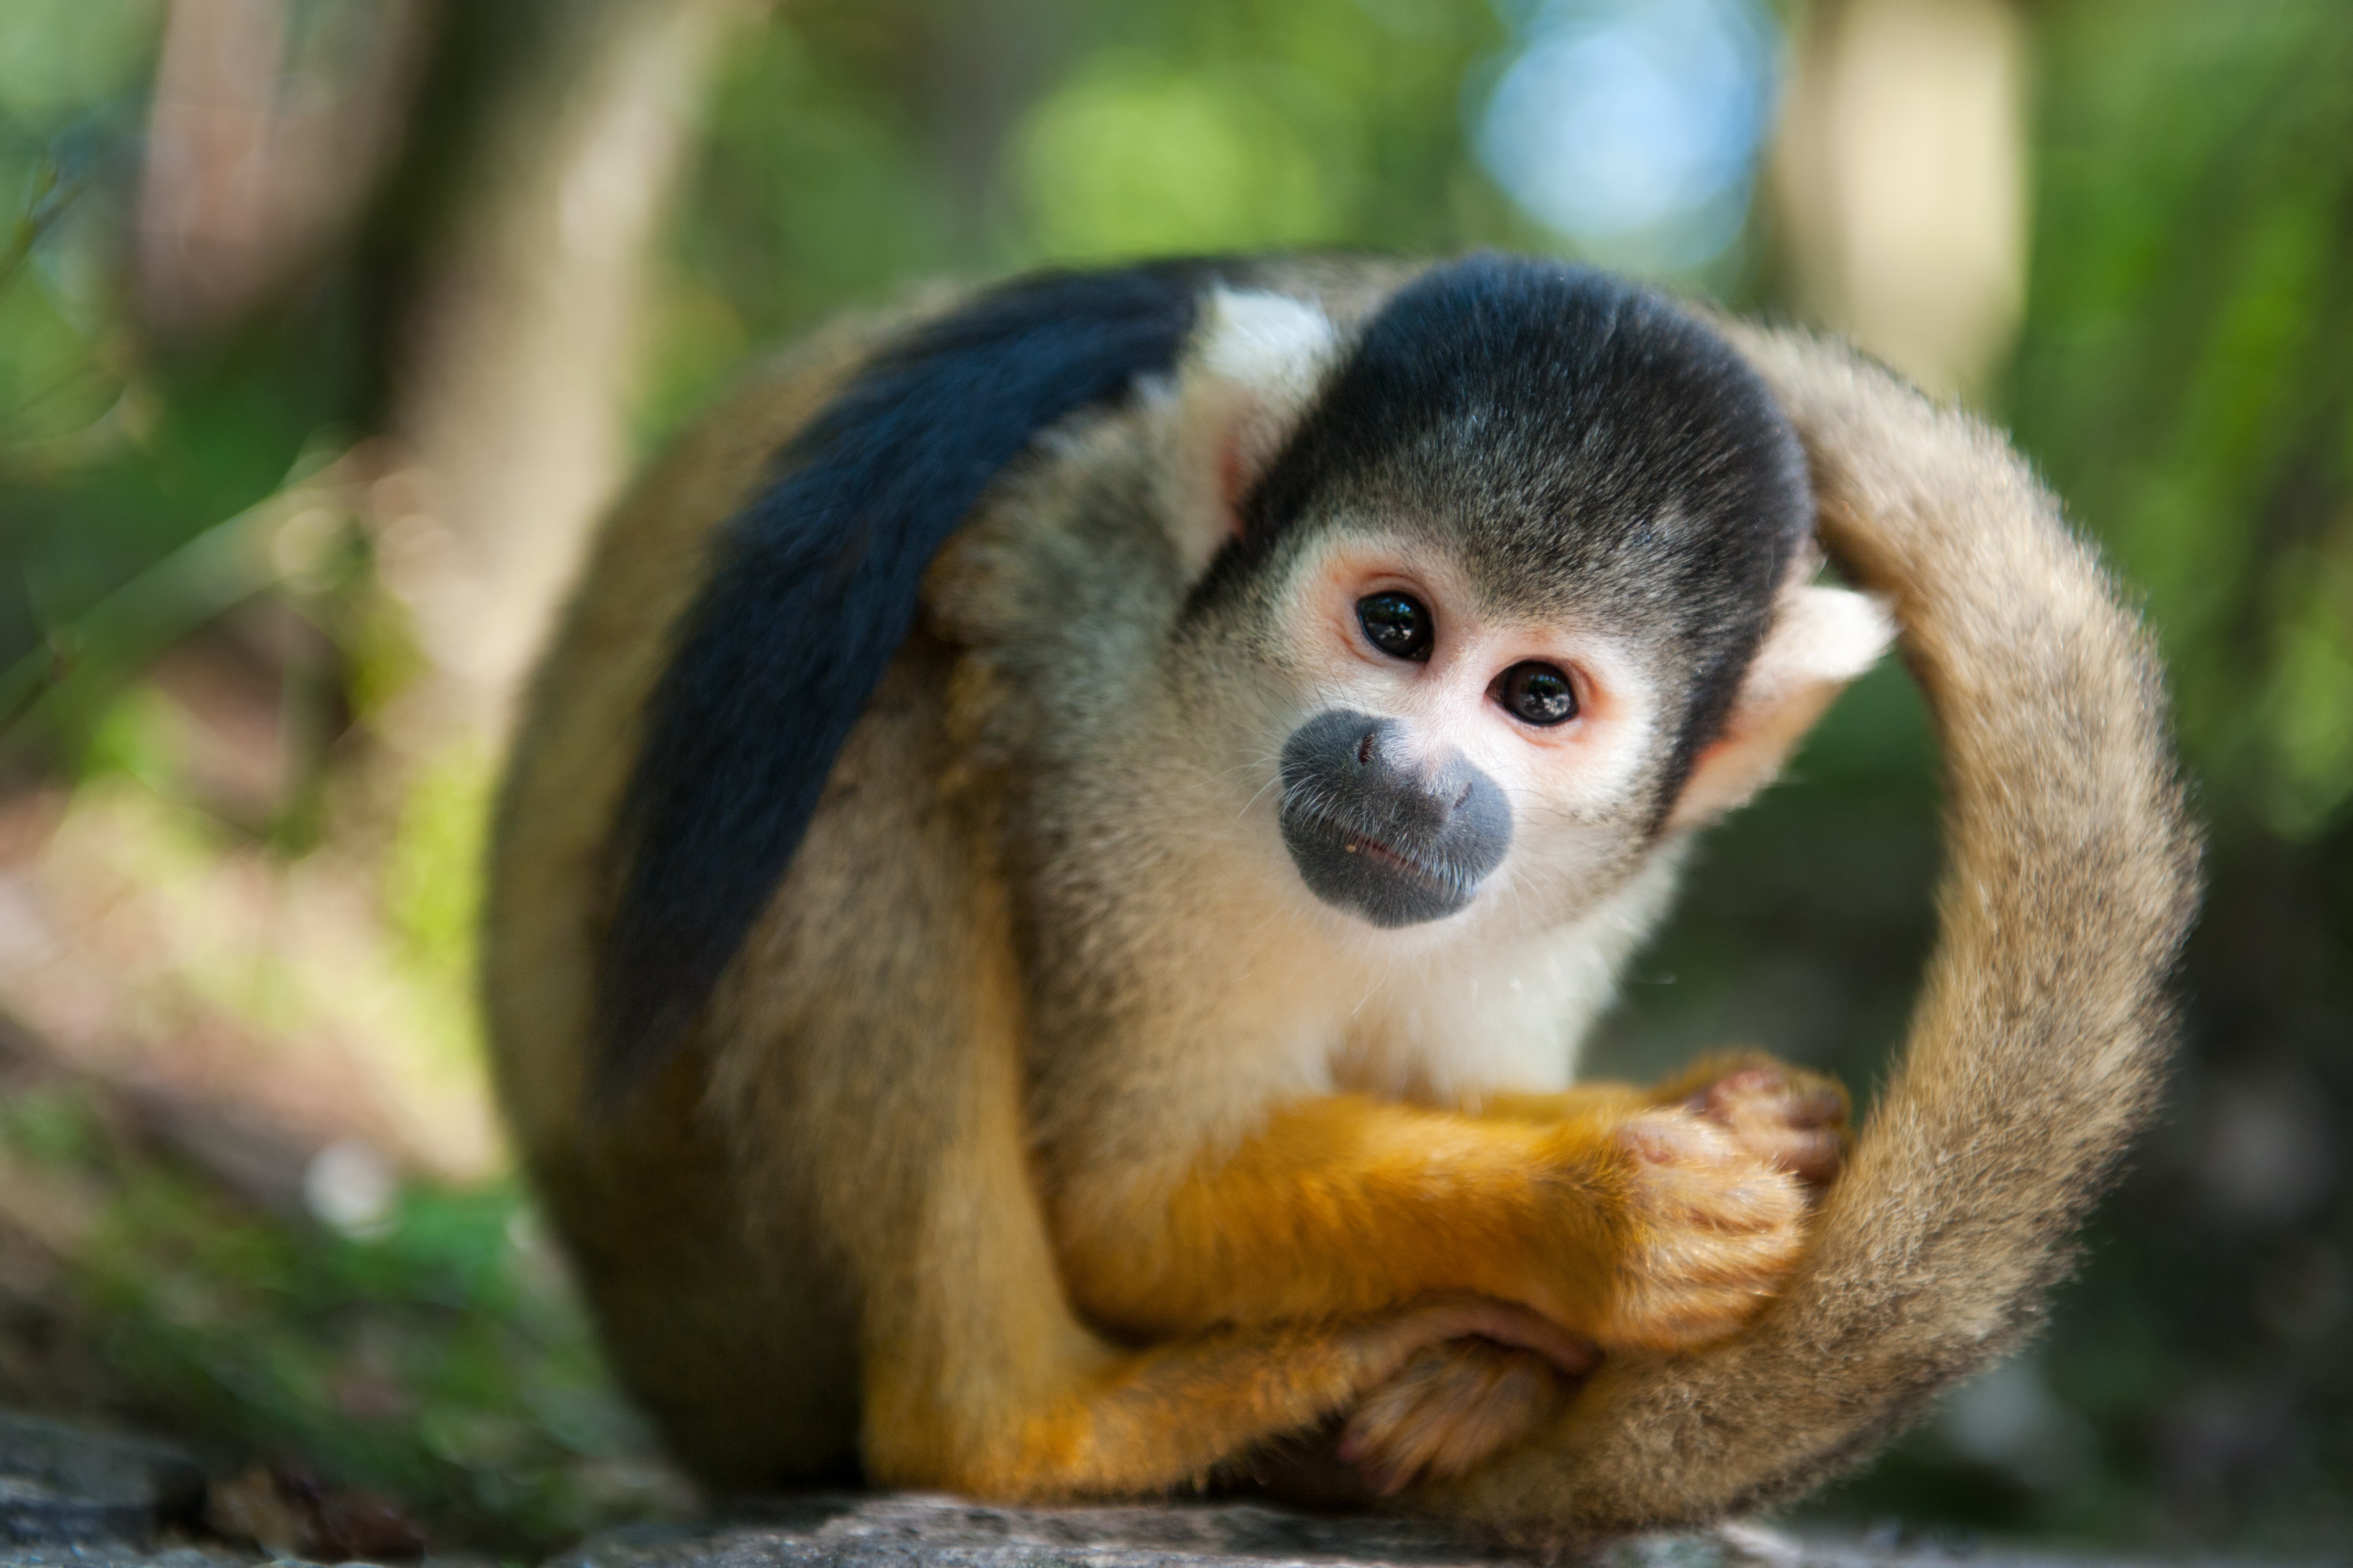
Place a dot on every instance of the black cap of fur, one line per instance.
(1571, 430)
(1571, 438)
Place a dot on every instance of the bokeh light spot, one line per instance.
(1132, 159)
(1631, 127)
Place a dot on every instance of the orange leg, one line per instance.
(1108, 1424)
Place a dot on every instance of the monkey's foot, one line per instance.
(1451, 1407)
(1713, 1226)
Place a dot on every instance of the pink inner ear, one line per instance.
(1721, 778)
(1711, 752)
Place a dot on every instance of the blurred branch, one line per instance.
(50, 197)
(284, 538)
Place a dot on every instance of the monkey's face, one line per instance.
(1518, 573)
(1448, 738)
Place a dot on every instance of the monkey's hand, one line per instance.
(1725, 1156)
(1719, 1172)
(1795, 1118)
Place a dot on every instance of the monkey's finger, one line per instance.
(1767, 1093)
(1693, 1082)
(1687, 1287)
(1812, 1108)
(1812, 1154)
(1796, 1127)
(1676, 1138)
(1690, 1173)
(1679, 1317)
(1813, 1157)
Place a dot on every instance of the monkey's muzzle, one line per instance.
(1380, 836)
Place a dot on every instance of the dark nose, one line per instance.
(1372, 828)
(1423, 798)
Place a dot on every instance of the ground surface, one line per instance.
(71, 1498)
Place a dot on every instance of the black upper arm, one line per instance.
(814, 586)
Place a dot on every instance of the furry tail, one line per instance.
(2043, 1031)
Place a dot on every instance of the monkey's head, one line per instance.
(1496, 589)
(1512, 587)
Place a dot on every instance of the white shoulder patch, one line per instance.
(1273, 343)
(1257, 360)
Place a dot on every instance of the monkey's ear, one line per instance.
(1256, 362)
(1822, 639)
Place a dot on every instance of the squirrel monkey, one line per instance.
(1052, 876)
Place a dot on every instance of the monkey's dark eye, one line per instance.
(1397, 624)
(1536, 694)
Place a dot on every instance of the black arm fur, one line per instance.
(813, 588)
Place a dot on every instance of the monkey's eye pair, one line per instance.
(1536, 694)
(1399, 625)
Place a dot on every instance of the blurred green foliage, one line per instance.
(71, 83)
(2187, 371)
(436, 1353)
(853, 149)
(428, 1360)
(2185, 375)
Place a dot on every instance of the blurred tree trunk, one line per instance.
(1901, 177)
(262, 142)
(475, 317)
(513, 320)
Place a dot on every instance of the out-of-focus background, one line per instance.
(327, 326)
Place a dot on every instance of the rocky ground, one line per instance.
(71, 1498)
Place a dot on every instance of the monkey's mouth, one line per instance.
(1383, 854)
(1394, 842)
(1385, 882)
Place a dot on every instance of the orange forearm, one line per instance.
(1598, 1100)
(1347, 1204)
(1612, 1096)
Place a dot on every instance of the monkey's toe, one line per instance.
(1453, 1406)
